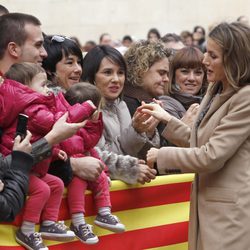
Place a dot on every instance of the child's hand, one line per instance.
(152, 155)
(1, 186)
(62, 155)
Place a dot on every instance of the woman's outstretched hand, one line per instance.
(155, 110)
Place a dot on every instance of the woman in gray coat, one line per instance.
(105, 67)
(218, 145)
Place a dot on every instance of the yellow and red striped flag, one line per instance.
(155, 215)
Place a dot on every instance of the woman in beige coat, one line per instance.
(217, 148)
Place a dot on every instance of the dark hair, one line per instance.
(12, 27)
(187, 57)
(3, 10)
(171, 37)
(81, 92)
(199, 27)
(57, 50)
(24, 72)
(154, 31)
(74, 38)
(93, 59)
(185, 34)
(92, 43)
(127, 37)
(202, 40)
(102, 35)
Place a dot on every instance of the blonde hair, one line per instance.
(140, 57)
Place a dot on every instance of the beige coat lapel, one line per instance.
(217, 102)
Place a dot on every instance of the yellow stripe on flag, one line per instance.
(147, 217)
(158, 181)
(181, 246)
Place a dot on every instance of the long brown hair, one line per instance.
(234, 40)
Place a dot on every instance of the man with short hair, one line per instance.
(21, 40)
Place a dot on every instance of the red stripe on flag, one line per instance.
(150, 196)
(137, 239)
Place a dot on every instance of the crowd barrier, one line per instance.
(155, 216)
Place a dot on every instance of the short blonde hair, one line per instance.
(140, 57)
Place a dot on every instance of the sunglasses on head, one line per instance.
(59, 39)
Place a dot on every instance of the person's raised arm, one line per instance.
(176, 131)
(16, 178)
(62, 130)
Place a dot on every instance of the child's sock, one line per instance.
(78, 219)
(104, 211)
(47, 223)
(28, 228)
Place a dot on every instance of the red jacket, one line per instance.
(14, 98)
(42, 112)
(83, 142)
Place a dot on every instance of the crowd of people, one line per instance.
(164, 105)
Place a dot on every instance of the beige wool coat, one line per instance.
(218, 151)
